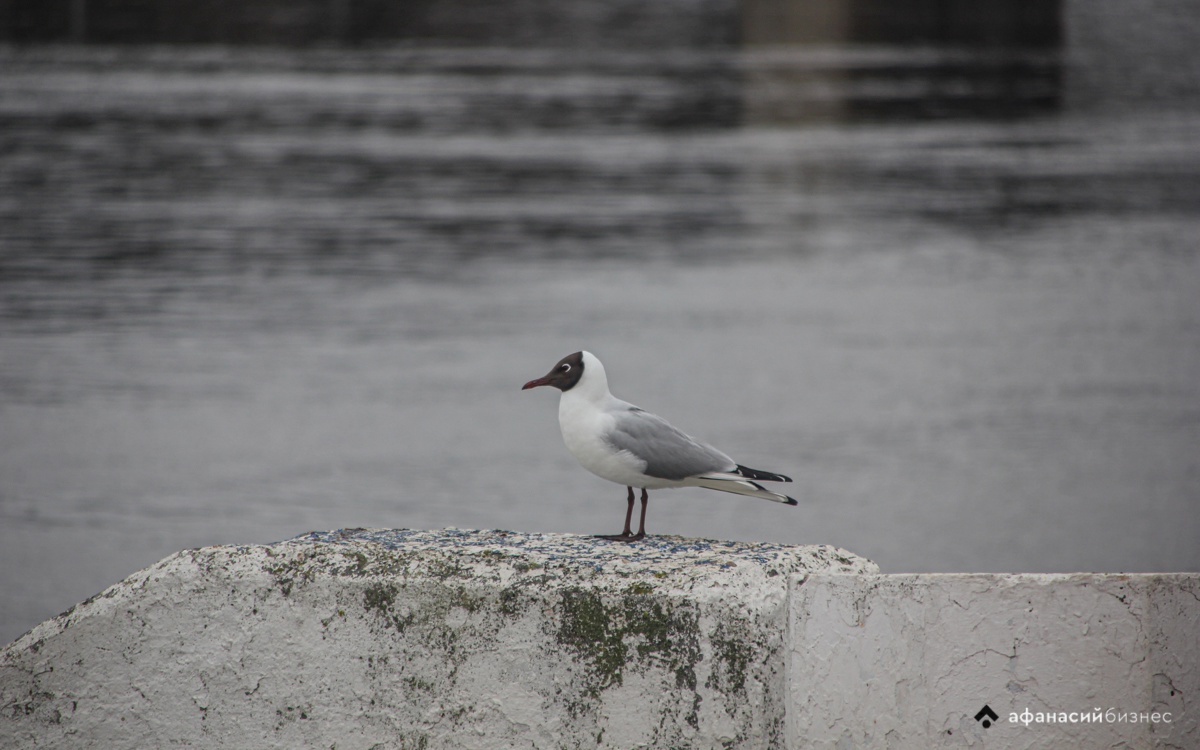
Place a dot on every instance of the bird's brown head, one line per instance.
(563, 376)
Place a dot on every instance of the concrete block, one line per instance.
(420, 640)
(901, 661)
(476, 639)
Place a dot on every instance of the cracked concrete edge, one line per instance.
(893, 660)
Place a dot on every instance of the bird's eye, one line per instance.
(564, 367)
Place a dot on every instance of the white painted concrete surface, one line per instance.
(902, 661)
(413, 640)
(459, 639)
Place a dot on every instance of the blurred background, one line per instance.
(273, 266)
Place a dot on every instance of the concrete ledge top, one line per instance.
(670, 561)
(698, 568)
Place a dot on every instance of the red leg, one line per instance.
(627, 534)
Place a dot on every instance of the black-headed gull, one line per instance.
(617, 441)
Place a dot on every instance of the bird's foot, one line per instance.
(624, 536)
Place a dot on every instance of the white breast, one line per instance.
(584, 424)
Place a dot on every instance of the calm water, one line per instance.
(245, 295)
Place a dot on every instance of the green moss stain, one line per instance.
(731, 656)
(634, 630)
(523, 593)
(512, 601)
(458, 596)
(419, 685)
(413, 741)
(288, 572)
(380, 597)
(442, 606)
(743, 653)
(443, 568)
(587, 629)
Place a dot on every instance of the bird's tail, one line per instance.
(738, 485)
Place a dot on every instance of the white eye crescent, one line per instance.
(564, 367)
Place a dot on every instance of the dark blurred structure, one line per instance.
(988, 23)
(303, 22)
(994, 58)
(994, 23)
(1003, 62)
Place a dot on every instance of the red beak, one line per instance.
(535, 383)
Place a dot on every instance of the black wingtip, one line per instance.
(786, 500)
(766, 476)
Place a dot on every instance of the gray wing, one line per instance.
(668, 453)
